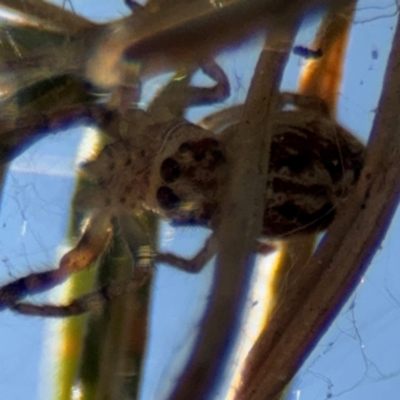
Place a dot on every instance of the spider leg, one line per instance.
(197, 96)
(307, 102)
(228, 116)
(90, 302)
(173, 99)
(91, 245)
(221, 119)
(17, 135)
(191, 265)
(137, 240)
(206, 253)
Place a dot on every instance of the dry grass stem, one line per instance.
(346, 251)
(241, 225)
(45, 16)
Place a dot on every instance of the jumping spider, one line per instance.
(179, 171)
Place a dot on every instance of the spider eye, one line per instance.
(167, 198)
(170, 170)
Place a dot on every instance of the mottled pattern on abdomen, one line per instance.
(312, 169)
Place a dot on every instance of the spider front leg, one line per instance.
(204, 255)
(178, 94)
(93, 301)
(94, 241)
(191, 265)
(197, 96)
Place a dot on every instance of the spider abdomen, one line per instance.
(314, 164)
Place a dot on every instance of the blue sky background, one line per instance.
(358, 357)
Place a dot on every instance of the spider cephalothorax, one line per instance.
(179, 176)
(188, 177)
